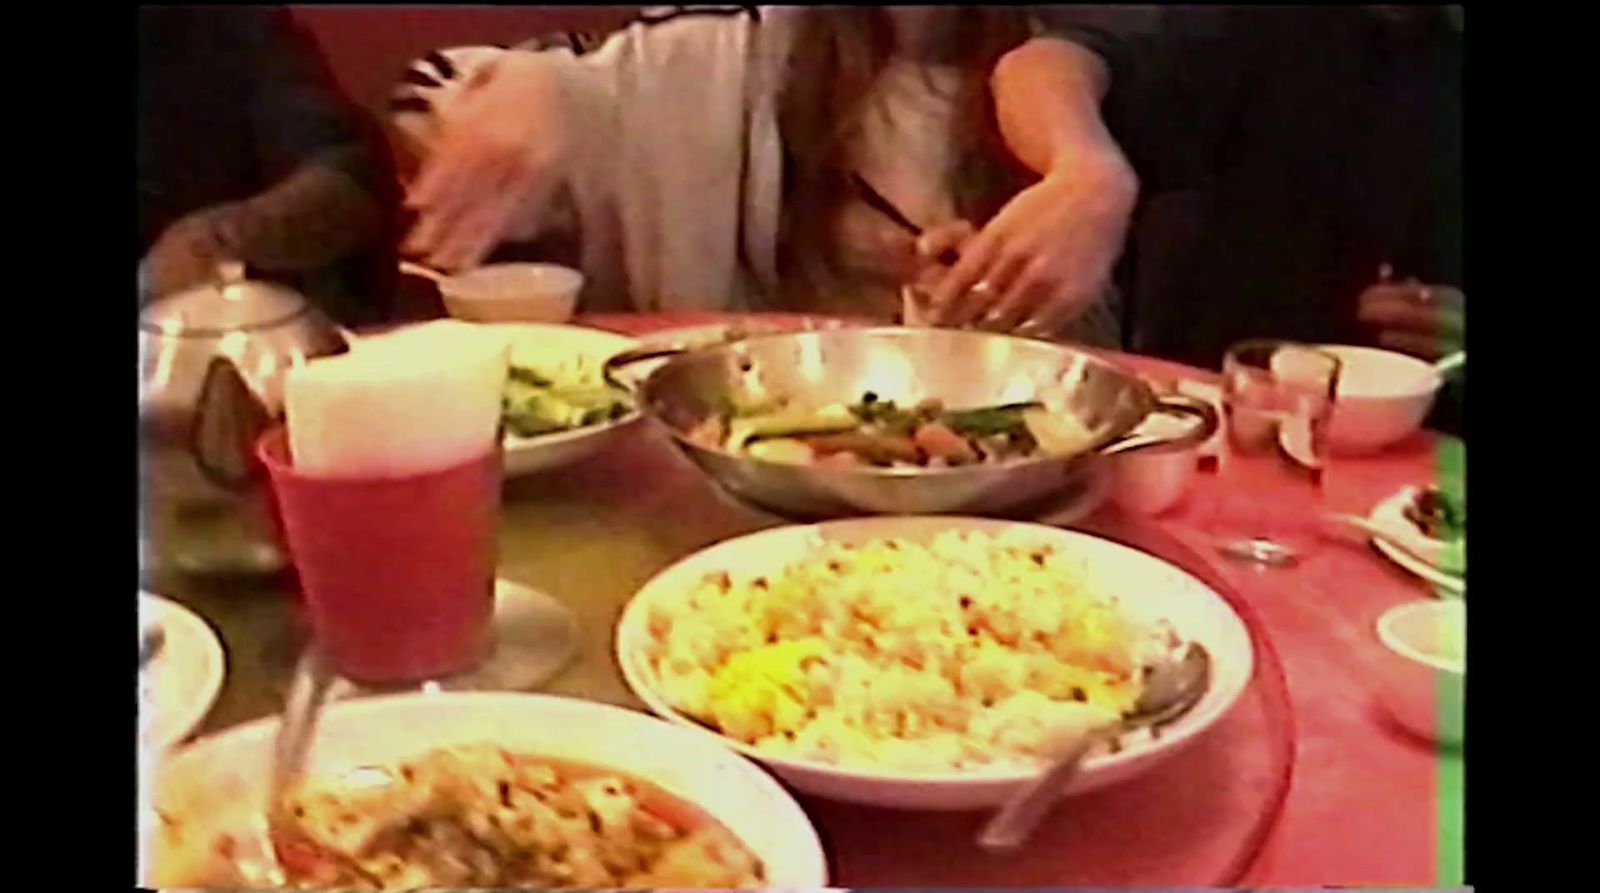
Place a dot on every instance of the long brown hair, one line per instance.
(837, 56)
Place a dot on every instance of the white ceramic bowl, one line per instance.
(1425, 667)
(222, 778)
(1145, 585)
(545, 293)
(1383, 398)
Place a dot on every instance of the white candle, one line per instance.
(414, 401)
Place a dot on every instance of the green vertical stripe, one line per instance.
(1450, 777)
(1451, 844)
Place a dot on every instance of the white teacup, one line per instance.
(1382, 398)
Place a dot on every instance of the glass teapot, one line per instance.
(212, 361)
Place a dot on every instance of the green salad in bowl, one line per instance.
(557, 405)
(559, 397)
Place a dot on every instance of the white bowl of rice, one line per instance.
(923, 662)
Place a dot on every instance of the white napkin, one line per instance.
(416, 400)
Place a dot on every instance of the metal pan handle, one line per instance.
(632, 357)
(1175, 404)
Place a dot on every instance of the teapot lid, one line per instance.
(233, 303)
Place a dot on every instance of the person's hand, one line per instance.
(1046, 257)
(929, 267)
(189, 251)
(499, 152)
(1428, 321)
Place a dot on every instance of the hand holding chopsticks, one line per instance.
(1036, 266)
(875, 200)
(940, 244)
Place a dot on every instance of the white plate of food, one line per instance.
(558, 406)
(485, 790)
(923, 662)
(1430, 526)
(181, 671)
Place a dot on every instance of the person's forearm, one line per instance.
(310, 219)
(1047, 96)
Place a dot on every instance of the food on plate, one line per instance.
(560, 397)
(969, 651)
(479, 816)
(1438, 513)
(882, 433)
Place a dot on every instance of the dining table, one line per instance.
(1306, 782)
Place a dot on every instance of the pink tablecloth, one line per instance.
(1366, 806)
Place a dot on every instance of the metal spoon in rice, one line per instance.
(1171, 688)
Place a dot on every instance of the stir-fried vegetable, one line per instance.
(875, 431)
(546, 401)
(985, 420)
(787, 423)
(1006, 419)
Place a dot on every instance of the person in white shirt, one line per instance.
(704, 155)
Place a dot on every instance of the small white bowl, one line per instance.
(1382, 398)
(1153, 479)
(545, 293)
(1425, 667)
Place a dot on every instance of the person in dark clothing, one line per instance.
(1321, 145)
(1300, 169)
(246, 152)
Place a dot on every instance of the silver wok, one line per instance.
(960, 368)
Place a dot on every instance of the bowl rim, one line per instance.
(1397, 644)
(518, 443)
(636, 675)
(163, 611)
(565, 279)
(1429, 383)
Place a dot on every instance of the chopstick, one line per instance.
(877, 202)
